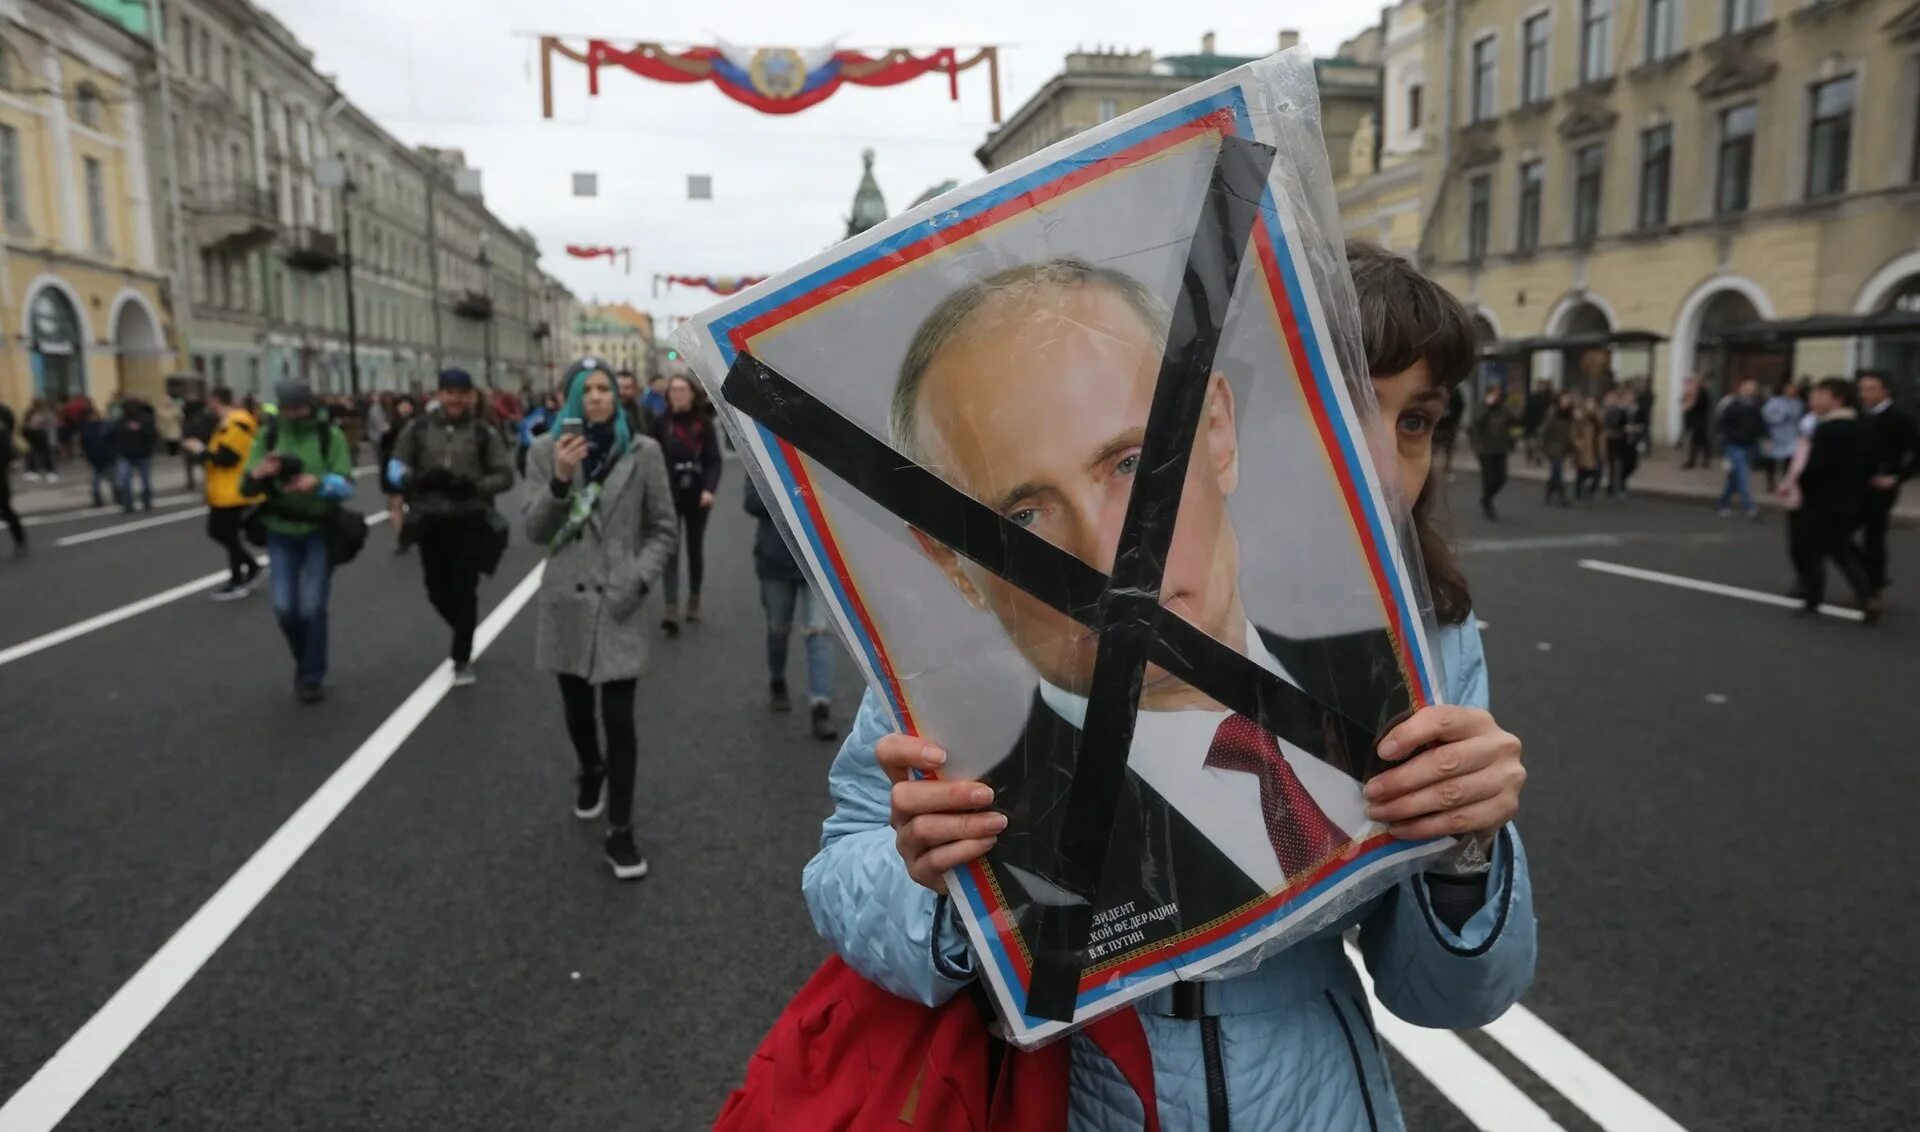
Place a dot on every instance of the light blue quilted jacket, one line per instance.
(1295, 1040)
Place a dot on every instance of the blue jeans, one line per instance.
(110, 476)
(127, 469)
(301, 575)
(782, 599)
(1739, 470)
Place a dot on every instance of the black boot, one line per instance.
(781, 701)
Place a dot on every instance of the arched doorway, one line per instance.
(1722, 369)
(138, 345)
(1685, 352)
(1898, 356)
(1586, 370)
(56, 345)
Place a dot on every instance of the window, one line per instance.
(1413, 108)
(1737, 16)
(13, 201)
(1589, 161)
(1829, 136)
(1596, 39)
(6, 68)
(1662, 29)
(1483, 62)
(226, 66)
(206, 53)
(186, 45)
(1479, 216)
(1656, 175)
(1533, 60)
(1734, 178)
(1109, 110)
(86, 106)
(1532, 177)
(97, 205)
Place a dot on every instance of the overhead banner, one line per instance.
(772, 80)
(1078, 457)
(718, 284)
(614, 256)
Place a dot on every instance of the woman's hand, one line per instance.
(1466, 780)
(938, 825)
(706, 499)
(568, 452)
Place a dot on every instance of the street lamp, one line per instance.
(331, 173)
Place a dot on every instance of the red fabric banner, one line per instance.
(773, 80)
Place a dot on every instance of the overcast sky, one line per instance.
(464, 73)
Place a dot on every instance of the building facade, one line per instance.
(1380, 193)
(1097, 86)
(618, 335)
(1674, 167)
(81, 308)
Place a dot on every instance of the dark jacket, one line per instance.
(453, 467)
(1492, 431)
(1895, 442)
(1839, 464)
(771, 558)
(136, 434)
(98, 444)
(1556, 436)
(691, 444)
(1740, 424)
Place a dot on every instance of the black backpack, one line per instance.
(346, 528)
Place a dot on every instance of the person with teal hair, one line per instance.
(598, 500)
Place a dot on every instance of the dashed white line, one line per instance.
(1611, 1103)
(129, 528)
(51, 1093)
(1778, 600)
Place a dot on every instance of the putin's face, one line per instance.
(1038, 409)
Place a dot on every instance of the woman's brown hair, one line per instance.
(1407, 318)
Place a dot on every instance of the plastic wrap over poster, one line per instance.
(1079, 456)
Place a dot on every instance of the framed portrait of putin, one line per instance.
(1078, 457)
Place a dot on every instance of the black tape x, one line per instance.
(1124, 608)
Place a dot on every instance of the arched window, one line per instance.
(87, 106)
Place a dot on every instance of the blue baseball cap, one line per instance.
(455, 379)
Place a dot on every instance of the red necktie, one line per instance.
(1301, 833)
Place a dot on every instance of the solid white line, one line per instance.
(129, 528)
(1479, 1090)
(1609, 1101)
(132, 609)
(1779, 600)
(52, 1092)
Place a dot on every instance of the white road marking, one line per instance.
(1542, 542)
(1779, 600)
(132, 609)
(52, 1092)
(1609, 1101)
(1479, 1090)
(160, 503)
(129, 528)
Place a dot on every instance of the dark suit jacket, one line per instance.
(1839, 465)
(1155, 856)
(1895, 442)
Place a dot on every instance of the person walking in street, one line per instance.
(688, 440)
(1740, 427)
(8, 515)
(1589, 442)
(395, 494)
(1829, 492)
(1617, 425)
(1696, 416)
(1533, 415)
(379, 423)
(135, 437)
(654, 400)
(302, 465)
(1447, 433)
(1781, 414)
(1492, 436)
(1895, 443)
(202, 421)
(599, 502)
(1556, 444)
(169, 424)
(41, 430)
(97, 448)
(1642, 416)
(224, 455)
(451, 468)
(639, 419)
(786, 597)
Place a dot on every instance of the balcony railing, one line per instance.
(474, 306)
(237, 216)
(314, 251)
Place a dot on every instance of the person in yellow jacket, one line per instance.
(225, 457)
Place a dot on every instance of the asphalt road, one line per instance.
(1710, 834)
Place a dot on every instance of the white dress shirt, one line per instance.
(1170, 753)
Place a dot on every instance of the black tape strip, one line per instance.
(949, 516)
(1099, 769)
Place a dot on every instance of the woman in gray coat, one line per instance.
(598, 501)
